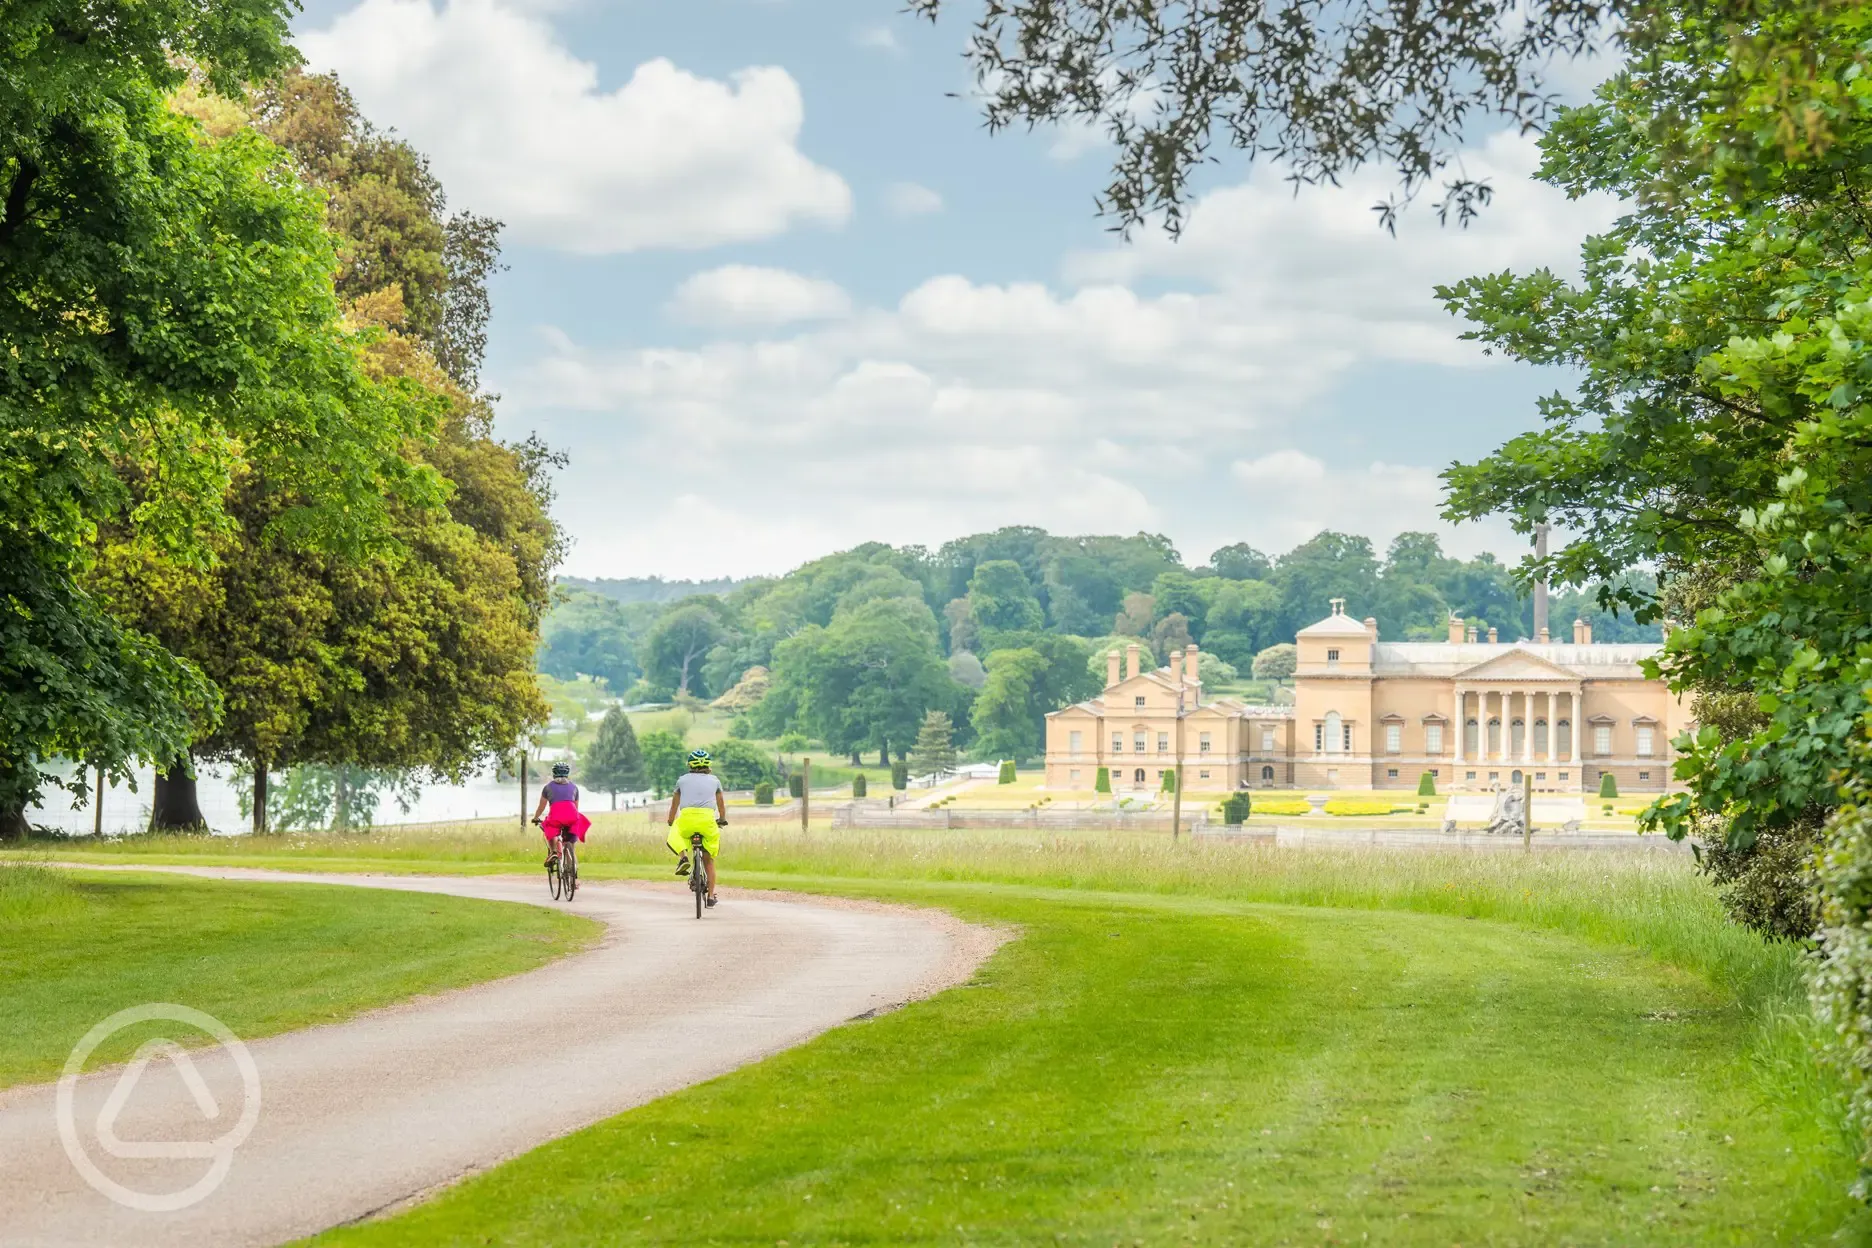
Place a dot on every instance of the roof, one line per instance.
(1485, 661)
(1338, 624)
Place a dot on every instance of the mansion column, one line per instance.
(1553, 728)
(1462, 717)
(1527, 727)
(1500, 753)
(1576, 724)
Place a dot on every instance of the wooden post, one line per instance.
(805, 794)
(1527, 810)
(97, 815)
(523, 789)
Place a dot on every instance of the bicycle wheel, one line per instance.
(568, 874)
(552, 878)
(698, 883)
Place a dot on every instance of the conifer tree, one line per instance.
(615, 762)
(934, 753)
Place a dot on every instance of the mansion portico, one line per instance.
(1475, 713)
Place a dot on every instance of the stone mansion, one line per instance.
(1367, 714)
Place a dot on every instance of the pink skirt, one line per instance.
(564, 817)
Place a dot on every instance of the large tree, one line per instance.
(675, 648)
(615, 763)
(168, 313)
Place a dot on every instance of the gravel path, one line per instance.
(360, 1117)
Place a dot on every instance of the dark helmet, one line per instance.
(562, 771)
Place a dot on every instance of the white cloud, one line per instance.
(1104, 405)
(909, 199)
(517, 127)
(877, 39)
(740, 294)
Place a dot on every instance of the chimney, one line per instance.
(1192, 665)
(1586, 632)
(1579, 632)
(1470, 635)
(1113, 668)
(1176, 667)
(1455, 629)
(1371, 626)
(1542, 636)
(1132, 667)
(1493, 639)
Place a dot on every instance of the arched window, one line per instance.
(1564, 732)
(1494, 736)
(1267, 775)
(1540, 736)
(1139, 777)
(1335, 734)
(1517, 737)
(1470, 737)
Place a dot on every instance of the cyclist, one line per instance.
(558, 803)
(697, 805)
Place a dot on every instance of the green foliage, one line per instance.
(1102, 782)
(587, 635)
(1241, 562)
(1171, 634)
(741, 764)
(1278, 662)
(1608, 785)
(792, 742)
(1168, 783)
(867, 679)
(682, 637)
(796, 785)
(665, 756)
(183, 333)
(1236, 808)
(858, 785)
(342, 798)
(1426, 785)
(1006, 772)
(763, 793)
(900, 775)
(615, 762)
(1001, 600)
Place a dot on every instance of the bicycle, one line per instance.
(562, 868)
(699, 859)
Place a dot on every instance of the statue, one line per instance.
(1510, 814)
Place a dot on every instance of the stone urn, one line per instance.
(1317, 801)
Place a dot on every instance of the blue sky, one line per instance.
(775, 292)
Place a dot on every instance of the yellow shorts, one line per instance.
(689, 821)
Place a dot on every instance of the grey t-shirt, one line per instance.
(696, 788)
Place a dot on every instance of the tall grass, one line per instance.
(32, 891)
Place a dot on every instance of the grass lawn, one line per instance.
(1214, 1043)
(264, 958)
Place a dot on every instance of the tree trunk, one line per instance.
(341, 814)
(260, 797)
(856, 761)
(613, 799)
(13, 825)
(884, 755)
(175, 806)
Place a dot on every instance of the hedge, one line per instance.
(858, 785)
(763, 794)
(1283, 806)
(1007, 771)
(1236, 807)
(1608, 785)
(1426, 785)
(900, 775)
(795, 784)
(1103, 783)
(1359, 806)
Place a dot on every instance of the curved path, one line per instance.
(361, 1116)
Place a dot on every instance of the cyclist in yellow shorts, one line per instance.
(697, 805)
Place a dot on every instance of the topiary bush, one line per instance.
(1169, 782)
(900, 775)
(796, 785)
(1235, 808)
(1426, 785)
(1608, 785)
(1007, 771)
(858, 785)
(763, 794)
(1103, 783)
(1284, 806)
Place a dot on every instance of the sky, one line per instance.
(774, 290)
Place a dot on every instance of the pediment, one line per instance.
(1517, 665)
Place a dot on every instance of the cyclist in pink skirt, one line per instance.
(558, 803)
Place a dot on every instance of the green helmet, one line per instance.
(699, 760)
